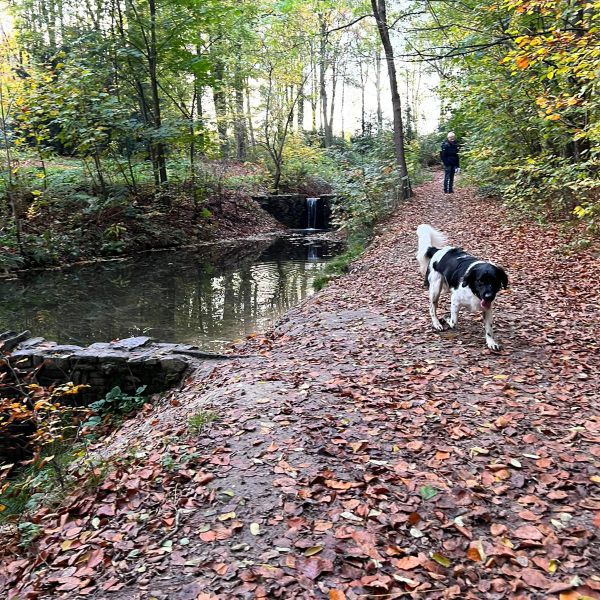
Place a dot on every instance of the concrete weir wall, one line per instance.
(127, 363)
(292, 211)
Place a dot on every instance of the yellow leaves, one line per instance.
(553, 117)
(226, 516)
(40, 404)
(441, 559)
(68, 389)
(522, 62)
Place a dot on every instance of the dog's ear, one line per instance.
(503, 277)
(470, 277)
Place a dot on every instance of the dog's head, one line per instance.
(485, 280)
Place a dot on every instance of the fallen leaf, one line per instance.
(528, 532)
(441, 559)
(428, 492)
(407, 563)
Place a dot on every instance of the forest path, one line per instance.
(359, 454)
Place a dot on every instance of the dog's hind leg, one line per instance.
(435, 289)
(488, 323)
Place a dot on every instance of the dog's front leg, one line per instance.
(454, 306)
(488, 323)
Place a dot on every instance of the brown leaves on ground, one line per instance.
(359, 454)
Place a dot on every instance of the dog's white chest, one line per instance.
(464, 297)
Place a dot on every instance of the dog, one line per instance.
(473, 283)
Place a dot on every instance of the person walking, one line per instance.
(449, 156)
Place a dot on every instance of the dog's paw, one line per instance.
(493, 345)
(438, 326)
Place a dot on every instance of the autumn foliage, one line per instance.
(523, 87)
(33, 419)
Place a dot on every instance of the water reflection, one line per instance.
(204, 297)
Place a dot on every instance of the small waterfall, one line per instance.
(311, 205)
(313, 252)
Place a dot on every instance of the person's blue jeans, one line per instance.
(449, 171)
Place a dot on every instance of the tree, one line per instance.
(380, 14)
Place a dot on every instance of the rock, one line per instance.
(31, 342)
(85, 356)
(63, 349)
(99, 346)
(12, 342)
(147, 358)
(131, 343)
(173, 364)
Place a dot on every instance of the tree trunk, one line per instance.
(342, 102)
(220, 101)
(322, 82)
(159, 147)
(334, 77)
(249, 113)
(199, 93)
(314, 89)
(301, 109)
(379, 12)
(240, 121)
(363, 124)
(378, 89)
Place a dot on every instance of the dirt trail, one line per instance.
(359, 454)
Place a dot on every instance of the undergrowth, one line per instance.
(61, 460)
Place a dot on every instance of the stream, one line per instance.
(208, 296)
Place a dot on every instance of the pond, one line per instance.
(208, 296)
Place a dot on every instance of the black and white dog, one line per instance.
(472, 283)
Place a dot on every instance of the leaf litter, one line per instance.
(358, 453)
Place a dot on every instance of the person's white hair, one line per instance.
(451, 135)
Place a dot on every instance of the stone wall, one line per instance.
(128, 363)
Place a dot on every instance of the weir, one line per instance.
(298, 211)
(311, 209)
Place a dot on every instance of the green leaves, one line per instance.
(428, 492)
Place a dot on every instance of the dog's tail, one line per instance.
(430, 241)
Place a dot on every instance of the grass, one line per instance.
(198, 421)
(35, 485)
(357, 243)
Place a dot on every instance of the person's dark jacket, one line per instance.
(449, 154)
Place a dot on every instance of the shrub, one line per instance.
(117, 404)
(307, 168)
